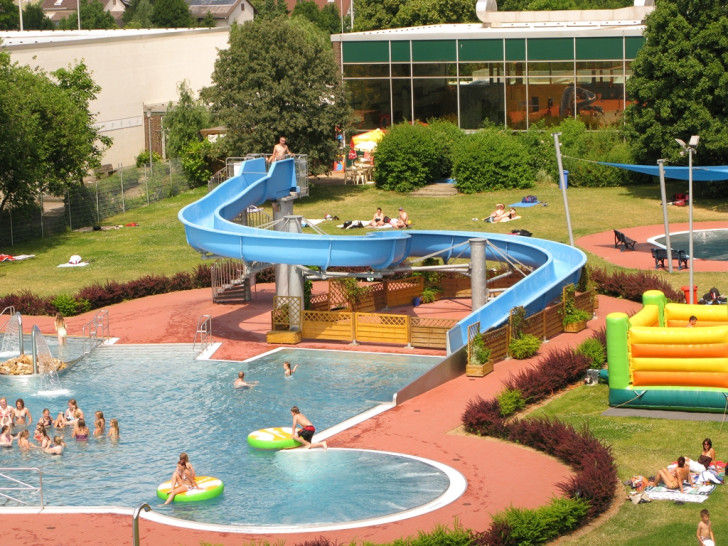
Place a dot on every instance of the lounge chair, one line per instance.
(621, 241)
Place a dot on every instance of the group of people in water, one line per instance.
(20, 416)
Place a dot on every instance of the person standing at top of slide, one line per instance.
(280, 151)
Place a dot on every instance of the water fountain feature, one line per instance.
(12, 345)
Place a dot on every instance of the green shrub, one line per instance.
(594, 351)
(196, 159)
(441, 535)
(143, 158)
(492, 159)
(511, 401)
(481, 353)
(541, 525)
(524, 347)
(407, 158)
(447, 137)
(69, 306)
(430, 294)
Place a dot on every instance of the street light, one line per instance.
(690, 149)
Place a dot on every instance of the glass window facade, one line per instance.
(510, 81)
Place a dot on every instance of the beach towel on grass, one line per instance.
(74, 261)
(506, 219)
(522, 204)
(698, 493)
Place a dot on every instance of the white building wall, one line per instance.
(134, 68)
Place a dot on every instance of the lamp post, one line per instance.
(562, 183)
(690, 149)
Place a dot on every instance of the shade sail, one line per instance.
(700, 174)
(370, 136)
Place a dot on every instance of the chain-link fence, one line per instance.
(123, 190)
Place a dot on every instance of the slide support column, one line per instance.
(281, 209)
(478, 272)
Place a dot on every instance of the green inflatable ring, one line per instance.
(272, 438)
(209, 488)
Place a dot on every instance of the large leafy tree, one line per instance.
(48, 141)
(9, 16)
(270, 9)
(326, 18)
(140, 16)
(93, 16)
(279, 77)
(35, 19)
(171, 14)
(679, 82)
(183, 121)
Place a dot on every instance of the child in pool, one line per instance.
(287, 371)
(46, 420)
(57, 447)
(60, 325)
(41, 436)
(6, 439)
(67, 417)
(24, 440)
(80, 430)
(114, 429)
(99, 424)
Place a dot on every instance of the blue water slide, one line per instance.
(209, 229)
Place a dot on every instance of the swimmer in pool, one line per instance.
(22, 414)
(41, 436)
(46, 420)
(66, 418)
(240, 382)
(6, 439)
(287, 370)
(182, 480)
(99, 424)
(7, 414)
(24, 440)
(57, 447)
(114, 429)
(80, 430)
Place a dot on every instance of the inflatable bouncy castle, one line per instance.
(657, 362)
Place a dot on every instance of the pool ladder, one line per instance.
(203, 332)
(11, 491)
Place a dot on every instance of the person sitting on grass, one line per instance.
(674, 477)
(498, 214)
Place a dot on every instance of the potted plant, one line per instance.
(573, 319)
(357, 297)
(479, 363)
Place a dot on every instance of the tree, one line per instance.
(35, 19)
(381, 14)
(9, 17)
(141, 16)
(271, 9)
(93, 16)
(208, 21)
(292, 89)
(183, 121)
(48, 141)
(678, 82)
(171, 14)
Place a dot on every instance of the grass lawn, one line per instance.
(158, 244)
(642, 446)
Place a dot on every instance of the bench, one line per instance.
(621, 241)
(660, 256)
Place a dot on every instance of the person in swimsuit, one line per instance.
(60, 325)
(114, 429)
(305, 433)
(183, 479)
(240, 382)
(57, 447)
(498, 214)
(287, 370)
(674, 477)
(46, 420)
(70, 415)
(21, 413)
(7, 414)
(378, 218)
(24, 440)
(80, 430)
(41, 436)
(692, 321)
(705, 529)
(280, 151)
(6, 439)
(99, 424)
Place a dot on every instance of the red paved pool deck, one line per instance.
(602, 244)
(423, 426)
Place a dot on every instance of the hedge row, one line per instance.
(588, 493)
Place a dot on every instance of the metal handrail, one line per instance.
(102, 323)
(135, 521)
(95, 332)
(23, 485)
(204, 330)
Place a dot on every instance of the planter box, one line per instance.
(575, 327)
(478, 370)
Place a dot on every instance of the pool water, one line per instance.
(707, 244)
(167, 402)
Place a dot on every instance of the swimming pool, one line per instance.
(167, 402)
(709, 244)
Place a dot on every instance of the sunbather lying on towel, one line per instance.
(500, 214)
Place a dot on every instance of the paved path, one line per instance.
(423, 426)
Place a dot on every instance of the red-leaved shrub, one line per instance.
(27, 303)
(631, 285)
